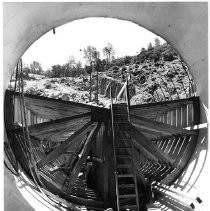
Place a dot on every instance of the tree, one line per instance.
(26, 70)
(57, 70)
(65, 68)
(91, 54)
(142, 55)
(48, 72)
(156, 54)
(79, 69)
(127, 60)
(169, 54)
(89, 71)
(109, 52)
(36, 67)
(70, 66)
(149, 48)
(100, 65)
(157, 42)
(71, 61)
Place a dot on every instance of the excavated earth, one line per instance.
(150, 82)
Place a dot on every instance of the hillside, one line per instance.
(155, 81)
(157, 74)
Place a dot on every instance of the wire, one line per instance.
(14, 173)
(30, 154)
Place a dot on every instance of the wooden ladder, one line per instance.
(125, 177)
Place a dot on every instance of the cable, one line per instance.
(14, 173)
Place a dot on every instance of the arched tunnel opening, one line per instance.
(166, 138)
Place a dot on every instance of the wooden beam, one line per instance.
(78, 136)
(150, 134)
(150, 110)
(50, 108)
(164, 129)
(139, 173)
(147, 147)
(123, 88)
(57, 130)
(54, 126)
(172, 103)
(182, 163)
(121, 91)
(82, 157)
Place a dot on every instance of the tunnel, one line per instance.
(184, 25)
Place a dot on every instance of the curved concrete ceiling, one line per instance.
(183, 25)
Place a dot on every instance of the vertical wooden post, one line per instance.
(184, 116)
(174, 117)
(97, 88)
(32, 118)
(169, 117)
(17, 109)
(189, 115)
(171, 114)
(178, 117)
(127, 92)
(90, 87)
(28, 116)
(196, 111)
(165, 118)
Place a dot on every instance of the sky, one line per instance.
(70, 39)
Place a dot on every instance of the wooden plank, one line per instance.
(169, 117)
(196, 108)
(178, 117)
(54, 126)
(77, 136)
(190, 115)
(147, 147)
(169, 104)
(50, 108)
(165, 145)
(53, 110)
(184, 116)
(174, 118)
(161, 143)
(150, 110)
(82, 157)
(123, 89)
(170, 141)
(164, 129)
(58, 130)
(165, 118)
(148, 133)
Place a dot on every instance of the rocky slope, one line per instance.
(153, 82)
(150, 82)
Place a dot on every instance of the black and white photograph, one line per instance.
(105, 106)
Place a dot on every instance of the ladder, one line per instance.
(125, 177)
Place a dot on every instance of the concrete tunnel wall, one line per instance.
(183, 25)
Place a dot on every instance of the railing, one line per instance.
(30, 116)
(124, 89)
(184, 115)
(113, 142)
